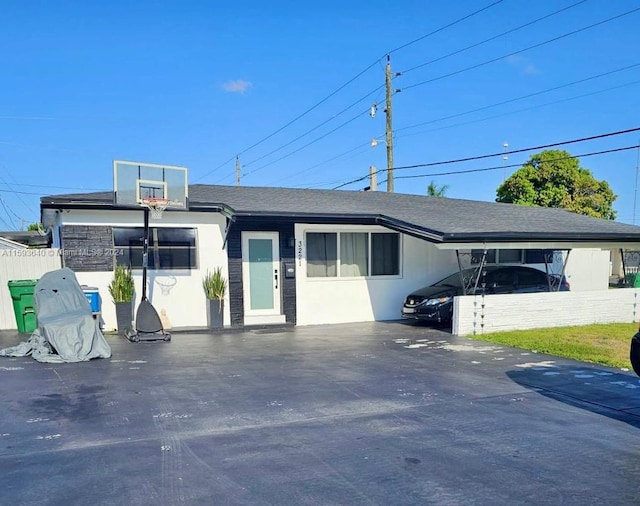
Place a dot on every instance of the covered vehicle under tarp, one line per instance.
(67, 331)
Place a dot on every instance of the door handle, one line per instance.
(276, 277)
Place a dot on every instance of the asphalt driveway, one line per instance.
(375, 413)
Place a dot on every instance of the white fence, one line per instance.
(495, 313)
(22, 264)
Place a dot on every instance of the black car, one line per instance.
(435, 303)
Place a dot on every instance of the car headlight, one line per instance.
(435, 302)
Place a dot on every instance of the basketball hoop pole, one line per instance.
(145, 253)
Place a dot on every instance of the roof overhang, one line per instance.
(442, 240)
(551, 244)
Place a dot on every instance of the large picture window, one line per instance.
(361, 254)
(169, 248)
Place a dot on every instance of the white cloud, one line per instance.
(524, 65)
(236, 86)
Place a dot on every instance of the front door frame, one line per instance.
(262, 316)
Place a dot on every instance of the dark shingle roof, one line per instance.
(441, 219)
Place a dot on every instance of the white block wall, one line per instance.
(495, 313)
(19, 264)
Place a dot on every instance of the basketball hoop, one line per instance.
(156, 206)
(166, 287)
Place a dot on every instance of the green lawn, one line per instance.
(600, 344)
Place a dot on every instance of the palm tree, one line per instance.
(433, 190)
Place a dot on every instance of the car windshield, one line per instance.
(454, 279)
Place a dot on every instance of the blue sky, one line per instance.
(197, 83)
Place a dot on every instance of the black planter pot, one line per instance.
(215, 314)
(124, 316)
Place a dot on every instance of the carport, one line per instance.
(556, 236)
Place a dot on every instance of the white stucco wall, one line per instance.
(343, 300)
(185, 304)
(495, 313)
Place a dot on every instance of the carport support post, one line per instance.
(564, 266)
(624, 268)
(546, 269)
(476, 277)
(462, 283)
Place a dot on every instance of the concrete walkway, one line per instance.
(353, 414)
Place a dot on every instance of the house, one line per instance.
(304, 257)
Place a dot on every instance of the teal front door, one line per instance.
(261, 277)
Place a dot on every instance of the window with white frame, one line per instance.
(352, 254)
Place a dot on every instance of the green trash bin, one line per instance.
(23, 307)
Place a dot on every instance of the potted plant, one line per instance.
(121, 289)
(215, 288)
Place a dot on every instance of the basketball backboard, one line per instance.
(133, 182)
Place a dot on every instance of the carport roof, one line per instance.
(444, 221)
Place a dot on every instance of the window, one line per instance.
(169, 248)
(321, 255)
(476, 256)
(537, 256)
(512, 256)
(385, 250)
(354, 254)
(360, 254)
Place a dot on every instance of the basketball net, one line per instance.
(156, 206)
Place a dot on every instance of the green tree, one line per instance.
(552, 178)
(34, 227)
(433, 190)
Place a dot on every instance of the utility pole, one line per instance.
(238, 170)
(373, 178)
(389, 127)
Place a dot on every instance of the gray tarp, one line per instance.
(67, 331)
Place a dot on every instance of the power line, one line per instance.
(345, 153)
(10, 211)
(464, 18)
(316, 127)
(457, 72)
(530, 23)
(501, 153)
(309, 143)
(20, 192)
(401, 47)
(514, 151)
(340, 88)
(55, 187)
(504, 102)
(10, 224)
(497, 167)
(546, 104)
(359, 146)
(493, 60)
